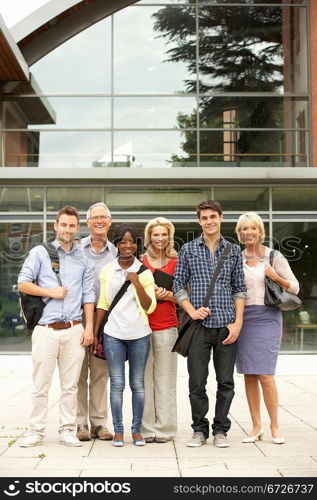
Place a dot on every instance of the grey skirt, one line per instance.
(259, 341)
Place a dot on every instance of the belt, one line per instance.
(62, 326)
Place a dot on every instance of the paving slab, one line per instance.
(296, 458)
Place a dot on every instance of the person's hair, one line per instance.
(99, 204)
(170, 251)
(67, 210)
(209, 205)
(255, 219)
(128, 228)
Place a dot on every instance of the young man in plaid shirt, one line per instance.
(220, 323)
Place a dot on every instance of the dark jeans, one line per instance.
(203, 341)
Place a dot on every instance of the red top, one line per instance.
(164, 316)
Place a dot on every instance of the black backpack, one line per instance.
(32, 305)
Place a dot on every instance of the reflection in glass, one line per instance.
(254, 148)
(298, 242)
(251, 2)
(243, 199)
(253, 112)
(152, 112)
(78, 112)
(302, 198)
(81, 197)
(155, 198)
(21, 199)
(160, 65)
(252, 49)
(157, 149)
(16, 239)
(56, 149)
(82, 64)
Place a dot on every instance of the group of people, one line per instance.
(236, 327)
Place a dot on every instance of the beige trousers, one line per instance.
(160, 411)
(92, 398)
(48, 347)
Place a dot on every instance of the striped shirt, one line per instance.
(195, 267)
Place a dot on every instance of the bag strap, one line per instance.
(53, 254)
(271, 257)
(220, 264)
(122, 291)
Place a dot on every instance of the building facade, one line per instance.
(152, 107)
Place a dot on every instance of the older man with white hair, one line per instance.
(92, 401)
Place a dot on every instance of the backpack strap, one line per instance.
(53, 254)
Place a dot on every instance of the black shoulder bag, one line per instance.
(188, 325)
(99, 351)
(32, 306)
(276, 296)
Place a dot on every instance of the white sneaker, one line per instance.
(31, 438)
(68, 438)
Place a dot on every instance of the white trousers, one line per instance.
(48, 347)
(92, 398)
(160, 410)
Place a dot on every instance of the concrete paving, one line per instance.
(296, 380)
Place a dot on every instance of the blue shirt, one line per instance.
(195, 267)
(101, 259)
(76, 273)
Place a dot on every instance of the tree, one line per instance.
(240, 50)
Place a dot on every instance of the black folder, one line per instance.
(163, 280)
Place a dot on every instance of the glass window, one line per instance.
(160, 65)
(294, 198)
(155, 198)
(251, 148)
(298, 242)
(251, 49)
(154, 112)
(254, 112)
(16, 239)
(157, 149)
(22, 199)
(57, 149)
(252, 2)
(82, 64)
(79, 197)
(243, 199)
(67, 112)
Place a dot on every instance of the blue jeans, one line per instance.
(116, 351)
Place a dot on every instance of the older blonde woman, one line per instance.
(159, 418)
(260, 337)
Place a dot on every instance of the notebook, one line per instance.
(163, 280)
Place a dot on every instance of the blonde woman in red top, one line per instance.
(159, 418)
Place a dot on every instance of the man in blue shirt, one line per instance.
(220, 323)
(59, 336)
(92, 400)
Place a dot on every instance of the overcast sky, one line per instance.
(13, 11)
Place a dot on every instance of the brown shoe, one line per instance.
(83, 433)
(101, 432)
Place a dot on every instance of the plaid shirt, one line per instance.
(196, 265)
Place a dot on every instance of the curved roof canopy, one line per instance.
(57, 21)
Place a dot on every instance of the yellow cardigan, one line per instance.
(147, 281)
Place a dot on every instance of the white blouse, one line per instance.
(254, 277)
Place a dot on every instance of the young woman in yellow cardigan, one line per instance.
(127, 331)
